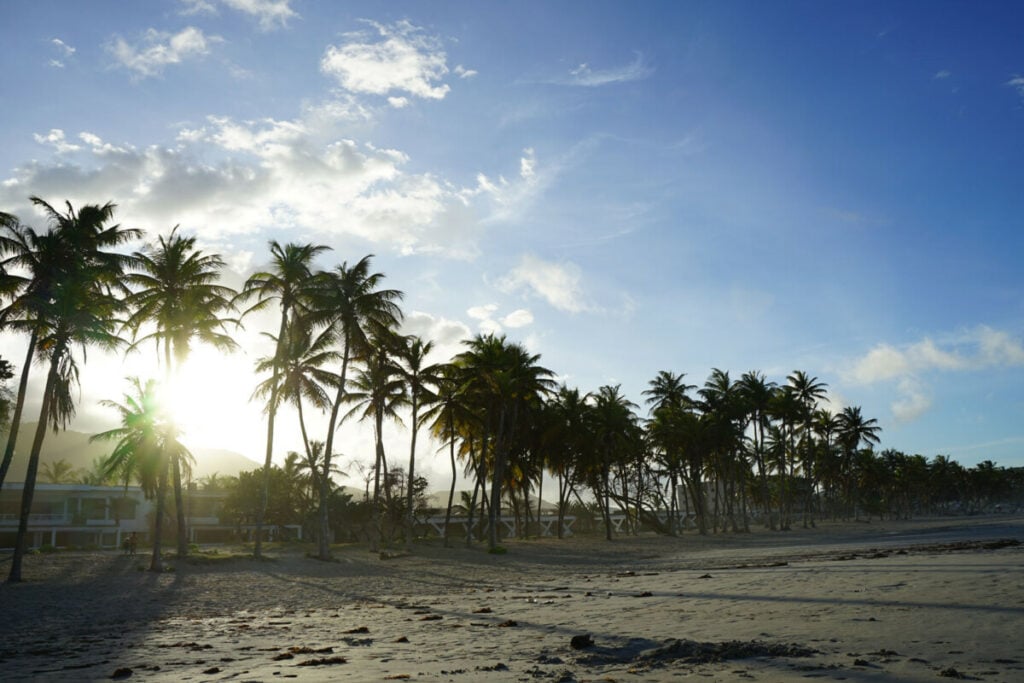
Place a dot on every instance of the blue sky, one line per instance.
(626, 188)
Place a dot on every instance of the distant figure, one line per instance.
(133, 544)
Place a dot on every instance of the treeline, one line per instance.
(720, 454)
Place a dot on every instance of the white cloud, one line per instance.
(64, 48)
(518, 318)
(398, 102)
(1017, 83)
(158, 49)
(941, 75)
(65, 51)
(55, 138)
(971, 350)
(228, 177)
(584, 75)
(482, 312)
(913, 402)
(270, 13)
(463, 72)
(404, 60)
(556, 283)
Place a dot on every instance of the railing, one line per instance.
(547, 524)
(36, 518)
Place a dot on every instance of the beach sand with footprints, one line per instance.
(922, 600)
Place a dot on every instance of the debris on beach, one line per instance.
(638, 651)
(581, 642)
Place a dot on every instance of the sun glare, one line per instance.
(207, 398)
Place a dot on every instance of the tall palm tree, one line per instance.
(567, 440)
(378, 392)
(854, 430)
(756, 393)
(176, 291)
(808, 392)
(668, 395)
(353, 305)
(147, 442)
(289, 282)
(505, 379)
(614, 424)
(81, 309)
(302, 379)
(447, 413)
(419, 380)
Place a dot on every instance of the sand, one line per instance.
(923, 600)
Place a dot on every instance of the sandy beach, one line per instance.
(921, 600)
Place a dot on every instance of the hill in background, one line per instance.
(76, 448)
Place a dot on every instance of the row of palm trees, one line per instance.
(717, 453)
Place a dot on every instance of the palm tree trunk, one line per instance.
(409, 517)
(494, 512)
(451, 491)
(179, 504)
(21, 541)
(156, 564)
(324, 548)
(19, 405)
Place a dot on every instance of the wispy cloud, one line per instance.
(64, 51)
(942, 75)
(1017, 83)
(55, 138)
(560, 284)
(270, 14)
(392, 58)
(586, 76)
(158, 49)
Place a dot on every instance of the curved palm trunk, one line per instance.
(271, 415)
(409, 517)
(21, 541)
(12, 437)
(324, 542)
(451, 491)
(377, 518)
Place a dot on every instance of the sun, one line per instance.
(207, 398)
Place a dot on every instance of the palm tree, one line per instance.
(854, 429)
(177, 292)
(354, 307)
(448, 411)
(57, 472)
(808, 392)
(302, 379)
(505, 380)
(614, 424)
(756, 393)
(378, 393)
(418, 380)
(567, 441)
(81, 309)
(667, 396)
(147, 442)
(290, 282)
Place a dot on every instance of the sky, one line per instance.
(622, 187)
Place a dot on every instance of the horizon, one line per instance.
(674, 187)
